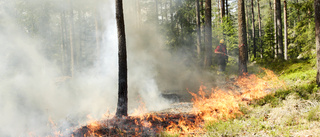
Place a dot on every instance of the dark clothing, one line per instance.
(221, 51)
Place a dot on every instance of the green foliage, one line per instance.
(306, 91)
(313, 114)
(230, 35)
(268, 39)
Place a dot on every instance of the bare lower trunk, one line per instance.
(260, 31)
(242, 38)
(222, 10)
(275, 29)
(227, 8)
(279, 29)
(285, 31)
(208, 35)
(122, 107)
(198, 30)
(317, 28)
(253, 32)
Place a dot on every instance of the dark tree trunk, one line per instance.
(260, 30)
(317, 27)
(285, 30)
(198, 30)
(247, 28)
(122, 107)
(279, 29)
(242, 38)
(275, 29)
(227, 9)
(253, 32)
(208, 35)
(223, 12)
(203, 22)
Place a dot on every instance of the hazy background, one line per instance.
(34, 83)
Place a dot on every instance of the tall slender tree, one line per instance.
(253, 32)
(122, 107)
(208, 35)
(260, 30)
(242, 38)
(198, 30)
(279, 29)
(275, 29)
(223, 12)
(317, 28)
(285, 30)
(227, 8)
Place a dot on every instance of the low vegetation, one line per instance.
(292, 111)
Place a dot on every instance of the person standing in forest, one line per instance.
(222, 56)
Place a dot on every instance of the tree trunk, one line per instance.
(71, 36)
(122, 107)
(253, 31)
(208, 35)
(260, 30)
(275, 29)
(227, 9)
(247, 29)
(279, 29)
(285, 31)
(171, 15)
(223, 12)
(198, 30)
(203, 28)
(242, 38)
(317, 28)
(219, 7)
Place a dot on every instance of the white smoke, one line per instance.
(30, 93)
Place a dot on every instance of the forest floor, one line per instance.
(291, 111)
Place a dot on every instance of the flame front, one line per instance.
(219, 105)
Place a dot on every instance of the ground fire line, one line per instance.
(218, 105)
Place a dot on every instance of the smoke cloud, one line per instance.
(32, 91)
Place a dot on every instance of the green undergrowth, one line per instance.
(293, 116)
(291, 111)
(294, 72)
(306, 91)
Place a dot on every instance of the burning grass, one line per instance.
(220, 105)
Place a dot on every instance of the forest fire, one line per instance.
(219, 105)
